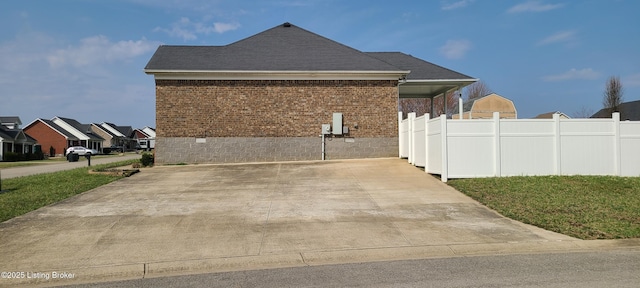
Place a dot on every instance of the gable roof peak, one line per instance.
(285, 47)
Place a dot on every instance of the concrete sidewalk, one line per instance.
(7, 173)
(208, 218)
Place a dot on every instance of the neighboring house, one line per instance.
(123, 135)
(10, 122)
(145, 138)
(266, 98)
(59, 133)
(86, 137)
(13, 139)
(483, 108)
(110, 139)
(549, 115)
(53, 139)
(628, 111)
(149, 131)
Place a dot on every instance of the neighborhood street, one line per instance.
(617, 268)
(7, 173)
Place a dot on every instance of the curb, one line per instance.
(315, 258)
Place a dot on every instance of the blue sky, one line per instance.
(85, 59)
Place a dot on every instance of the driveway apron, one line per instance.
(241, 212)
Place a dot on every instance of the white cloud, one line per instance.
(573, 74)
(99, 49)
(96, 70)
(533, 6)
(632, 80)
(189, 30)
(562, 36)
(179, 29)
(455, 49)
(224, 27)
(456, 5)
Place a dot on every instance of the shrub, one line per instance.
(12, 157)
(147, 159)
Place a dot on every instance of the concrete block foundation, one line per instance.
(174, 150)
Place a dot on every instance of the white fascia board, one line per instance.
(52, 128)
(103, 130)
(149, 131)
(436, 81)
(275, 75)
(70, 129)
(111, 129)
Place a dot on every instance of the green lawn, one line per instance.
(32, 192)
(586, 207)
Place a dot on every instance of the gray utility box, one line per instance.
(337, 123)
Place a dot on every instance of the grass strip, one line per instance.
(29, 193)
(585, 207)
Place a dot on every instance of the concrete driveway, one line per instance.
(204, 218)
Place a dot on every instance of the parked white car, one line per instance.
(81, 150)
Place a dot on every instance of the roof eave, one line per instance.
(432, 81)
(275, 75)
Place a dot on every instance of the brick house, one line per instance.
(266, 97)
(59, 133)
(53, 139)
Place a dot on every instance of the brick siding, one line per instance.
(245, 109)
(47, 138)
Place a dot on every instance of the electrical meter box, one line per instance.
(337, 123)
(326, 129)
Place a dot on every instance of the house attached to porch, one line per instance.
(13, 139)
(266, 98)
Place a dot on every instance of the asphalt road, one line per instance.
(618, 268)
(7, 173)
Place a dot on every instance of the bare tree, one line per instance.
(613, 94)
(423, 105)
(418, 105)
(477, 90)
(438, 104)
(584, 112)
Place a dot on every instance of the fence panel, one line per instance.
(512, 147)
(470, 148)
(434, 150)
(527, 147)
(419, 141)
(404, 138)
(630, 148)
(587, 147)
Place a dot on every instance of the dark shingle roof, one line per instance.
(127, 131)
(420, 69)
(5, 135)
(59, 129)
(10, 119)
(281, 48)
(628, 111)
(83, 128)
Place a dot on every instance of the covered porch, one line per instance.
(15, 141)
(433, 89)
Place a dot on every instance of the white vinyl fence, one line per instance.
(513, 147)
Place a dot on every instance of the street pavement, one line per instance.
(176, 220)
(7, 173)
(617, 268)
